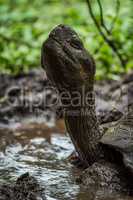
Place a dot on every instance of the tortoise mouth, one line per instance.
(62, 67)
(62, 33)
(63, 51)
(67, 62)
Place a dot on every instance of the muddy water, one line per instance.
(43, 149)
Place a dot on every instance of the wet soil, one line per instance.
(33, 137)
(25, 187)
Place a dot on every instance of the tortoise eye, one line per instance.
(76, 43)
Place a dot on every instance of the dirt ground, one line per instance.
(30, 96)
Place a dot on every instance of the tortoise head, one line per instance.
(67, 63)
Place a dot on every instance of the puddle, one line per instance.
(43, 150)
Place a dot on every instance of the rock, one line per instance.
(25, 188)
(104, 176)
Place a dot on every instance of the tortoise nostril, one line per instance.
(62, 26)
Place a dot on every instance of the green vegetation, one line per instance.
(25, 25)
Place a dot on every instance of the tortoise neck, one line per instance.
(82, 125)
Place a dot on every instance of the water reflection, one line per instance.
(43, 151)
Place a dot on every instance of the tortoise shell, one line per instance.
(120, 138)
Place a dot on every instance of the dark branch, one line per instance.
(116, 16)
(110, 42)
(102, 19)
(108, 30)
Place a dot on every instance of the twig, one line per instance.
(116, 16)
(108, 31)
(101, 18)
(110, 42)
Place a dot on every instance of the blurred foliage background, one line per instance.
(24, 25)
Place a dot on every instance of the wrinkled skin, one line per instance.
(70, 67)
(64, 48)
